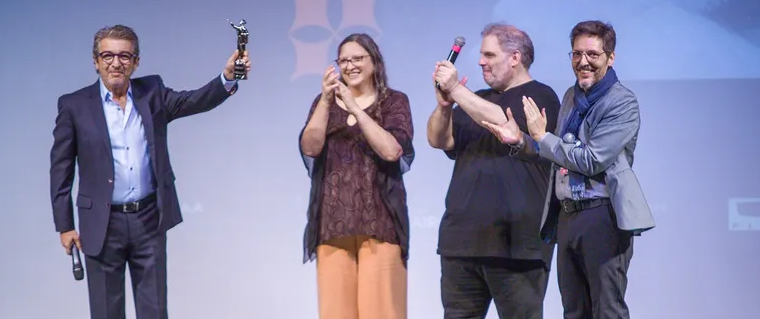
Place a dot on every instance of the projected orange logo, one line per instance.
(313, 57)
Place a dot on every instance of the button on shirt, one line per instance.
(133, 176)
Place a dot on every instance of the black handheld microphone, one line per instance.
(76, 262)
(454, 53)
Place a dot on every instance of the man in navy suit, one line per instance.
(116, 130)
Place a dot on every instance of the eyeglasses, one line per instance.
(591, 56)
(124, 57)
(356, 61)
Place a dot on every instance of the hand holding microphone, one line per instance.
(72, 245)
(444, 100)
(445, 72)
(76, 262)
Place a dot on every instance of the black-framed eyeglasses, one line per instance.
(355, 60)
(124, 57)
(591, 56)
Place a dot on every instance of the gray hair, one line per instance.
(511, 38)
(118, 31)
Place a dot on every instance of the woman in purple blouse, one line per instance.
(356, 145)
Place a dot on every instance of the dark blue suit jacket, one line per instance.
(81, 136)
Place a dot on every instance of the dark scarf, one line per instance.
(584, 101)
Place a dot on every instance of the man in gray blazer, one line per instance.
(591, 151)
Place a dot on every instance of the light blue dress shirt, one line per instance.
(134, 178)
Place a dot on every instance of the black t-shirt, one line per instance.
(495, 201)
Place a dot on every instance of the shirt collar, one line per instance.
(105, 94)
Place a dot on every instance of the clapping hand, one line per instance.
(536, 119)
(329, 84)
(344, 94)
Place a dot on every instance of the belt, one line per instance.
(571, 206)
(132, 207)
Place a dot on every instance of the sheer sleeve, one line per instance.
(397, 120)
(308, 161)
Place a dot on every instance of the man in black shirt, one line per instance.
(488, 239)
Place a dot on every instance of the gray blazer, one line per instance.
(608, 138)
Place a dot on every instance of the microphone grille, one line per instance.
(459, 41)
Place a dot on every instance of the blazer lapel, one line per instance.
(141, 102)
(99, 117)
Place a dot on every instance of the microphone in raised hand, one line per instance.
(76, 262)
(454, 53)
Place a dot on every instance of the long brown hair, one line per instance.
(379, 76)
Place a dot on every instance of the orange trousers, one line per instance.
(359, 277)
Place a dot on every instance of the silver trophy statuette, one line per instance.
(242, 40)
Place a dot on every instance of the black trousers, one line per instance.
(592, 264)
(517, 287)
(132, 239)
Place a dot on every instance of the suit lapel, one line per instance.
(95, 103)
(141, 104)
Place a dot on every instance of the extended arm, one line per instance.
(62, 163)
(617, 127)
(473, 105)
(185, 103)
(527, 148)
(476, 107)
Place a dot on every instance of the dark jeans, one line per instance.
(517, 287)
(132, 239)
(592, 264)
